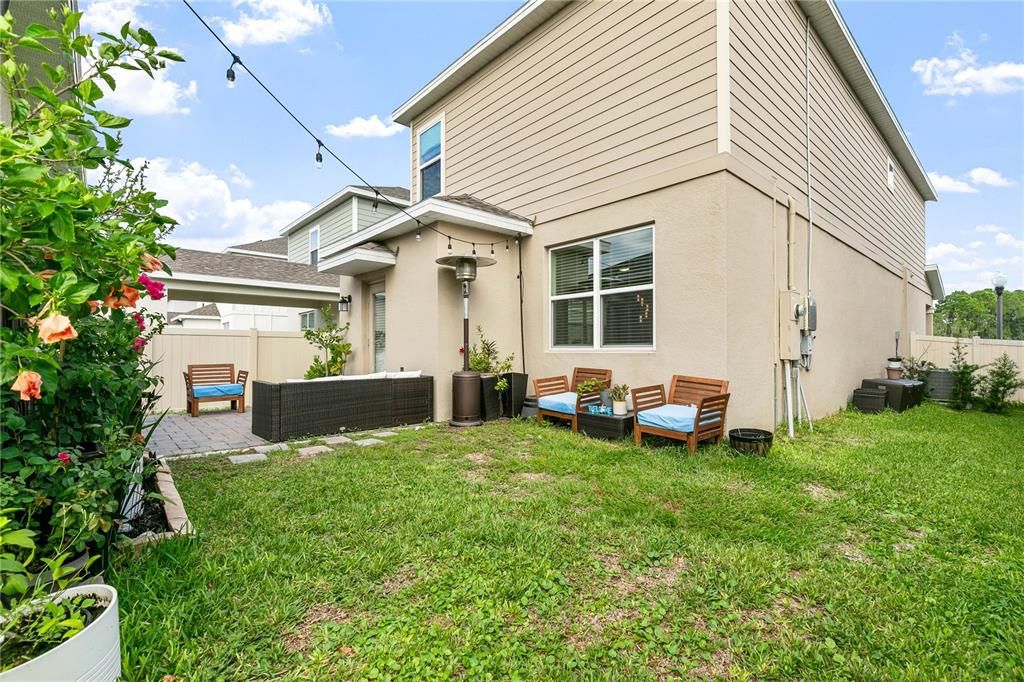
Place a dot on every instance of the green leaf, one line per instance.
(170, 55)
(71, 21)
(33, 44)
(146, 38)
(89, 91)
(81, 293)
(19, 538)
(40, 31)
(110, 121)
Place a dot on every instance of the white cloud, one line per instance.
(365, 127)
(109, 15)
(1007, 240)
(210, 217)
(942, 250)
(987, 228)
(975, 245)
(945, 183)
(961, 74)
(987, 176)
(274, 21)
(139, 95)
(238, 177)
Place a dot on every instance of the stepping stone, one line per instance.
(368, 442)
(384, 434)
(272, 447)
(245, 459)
(337, 440)
(313, 451)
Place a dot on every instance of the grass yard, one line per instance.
(881, 546)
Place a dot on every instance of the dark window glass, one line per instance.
(572, 269)
(628, 319)
(430, 179)
(572, 322)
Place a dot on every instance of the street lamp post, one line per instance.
(999, 284)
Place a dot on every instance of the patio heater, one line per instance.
(465, 384)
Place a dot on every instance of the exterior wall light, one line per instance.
(345, 303)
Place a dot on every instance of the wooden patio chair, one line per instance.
(214, 383)
(705, 401)
(572, 400)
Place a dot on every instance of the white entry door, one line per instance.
(379, 340)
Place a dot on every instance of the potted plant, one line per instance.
(894, 370)
(590, 386)
(486, 359)
(71, 633)
(619, 393)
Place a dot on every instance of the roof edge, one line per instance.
(331, 202)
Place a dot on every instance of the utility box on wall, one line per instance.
(790, 314)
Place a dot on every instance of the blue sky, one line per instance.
(235, 168)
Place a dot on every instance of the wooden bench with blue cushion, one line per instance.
(214, 383)
(694, 410)
(558, 398)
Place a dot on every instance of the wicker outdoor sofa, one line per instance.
(314, 408)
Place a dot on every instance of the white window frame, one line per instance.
(416, 160)
(597, 292)
(302, 318)
(309, 252)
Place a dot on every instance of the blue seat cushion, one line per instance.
(559, 402)
(217, 390)
(671, 418)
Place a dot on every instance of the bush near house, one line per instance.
(79, 235)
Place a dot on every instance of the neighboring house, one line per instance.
(204, 317)
(661, 146)
(253, 285)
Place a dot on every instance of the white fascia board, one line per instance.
(430, 211)
(357, 261)
(934, 279)
(242, 282)
(258, 254)
(332, 202)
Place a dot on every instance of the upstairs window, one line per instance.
(307, 320)
(314, 245)
(890, 176)
(430, 161)
(602, 292)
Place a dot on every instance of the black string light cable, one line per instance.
(322, 147)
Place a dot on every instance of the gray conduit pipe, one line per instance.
(788, 371)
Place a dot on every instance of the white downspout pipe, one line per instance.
(788, 371)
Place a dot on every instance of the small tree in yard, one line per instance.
(996, 387)
(964, 379)
(331, 340)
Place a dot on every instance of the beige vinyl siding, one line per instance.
(367, 216)
(848, 155)
(334, 225)
(601, 94)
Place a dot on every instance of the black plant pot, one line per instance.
(91, 451)
(490, 406)
(513, 397)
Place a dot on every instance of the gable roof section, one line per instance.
(237, 266)
(824, 17)
(208, 310)
(399, 195)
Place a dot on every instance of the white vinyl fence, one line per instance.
(267, 355)
(939, 350)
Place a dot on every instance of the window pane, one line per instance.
(628, 319)
(572, 322)
(626, 260)
(430, 177)
(314, 256)
(572, 269)
(430, 143)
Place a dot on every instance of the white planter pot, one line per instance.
(93, 655)
(619, 407)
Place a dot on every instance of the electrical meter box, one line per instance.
(812, 314)
(791, 311)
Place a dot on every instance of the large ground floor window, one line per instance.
(602, 292)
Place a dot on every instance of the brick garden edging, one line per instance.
(174, 510)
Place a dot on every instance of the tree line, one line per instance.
(974, 314)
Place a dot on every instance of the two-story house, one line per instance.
(671, 179)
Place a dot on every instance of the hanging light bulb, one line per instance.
(231, 70)
(474, 249)
(418, 235)
(319, 163)
(375, 197)
(506, 246)
(492, 249)
(449, 246)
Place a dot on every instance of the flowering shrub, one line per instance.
(78, 235)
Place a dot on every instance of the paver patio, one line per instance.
(180, 434)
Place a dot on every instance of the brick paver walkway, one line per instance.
(180, 434)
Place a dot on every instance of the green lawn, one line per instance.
(881, 546)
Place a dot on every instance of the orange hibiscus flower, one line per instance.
(151, 263)
(126, 298)
(28, 384)
(56, 328)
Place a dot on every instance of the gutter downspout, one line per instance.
(807, 136)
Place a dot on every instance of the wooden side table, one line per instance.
(608, 426)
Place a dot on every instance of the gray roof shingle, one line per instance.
(473, 202)
(208, 310)
(249, 267)
(277, 246)
(387, 190)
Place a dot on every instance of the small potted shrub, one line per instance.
(494, 383)
(894, 370)
(619, 393)
(73, 633)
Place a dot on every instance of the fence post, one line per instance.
(254, 353)
(975, 349)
